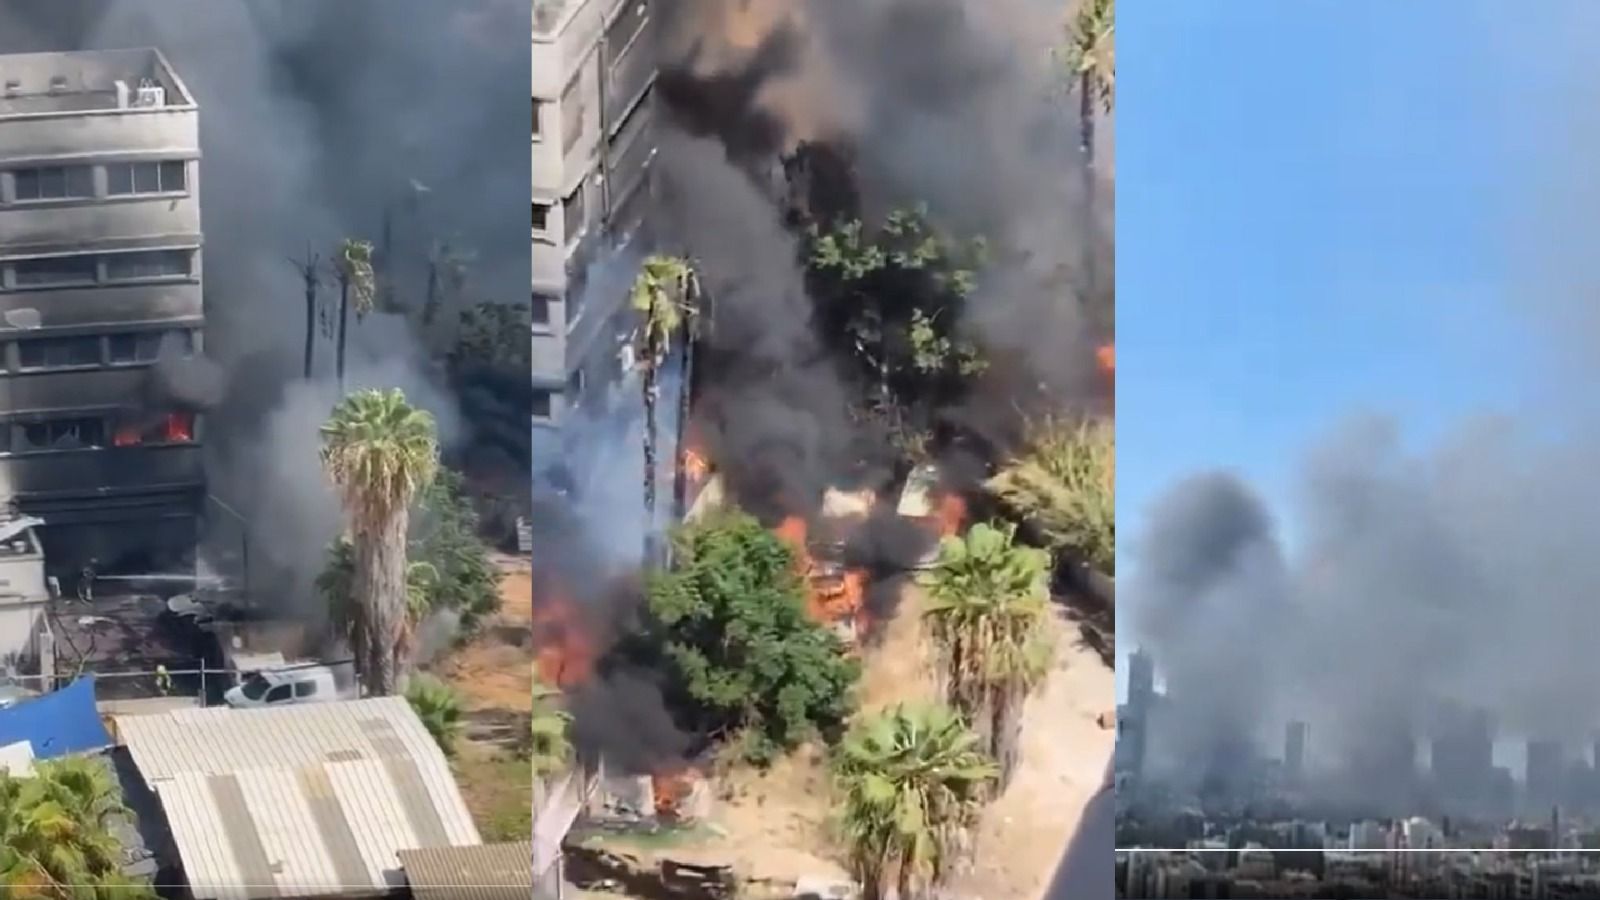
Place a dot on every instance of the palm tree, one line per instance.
(358, 282)
(912, 781)
(56, 834)
(311, 278)
(439, 708)
(988, 611)
(549, 736)
(663, 295)
(1091, 59)
(380, 452)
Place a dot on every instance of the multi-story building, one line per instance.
(593, 74)
(99, 285)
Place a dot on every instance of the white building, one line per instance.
(593, 74)
(100, 277)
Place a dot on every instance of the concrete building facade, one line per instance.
(593, 71)
(100, 285)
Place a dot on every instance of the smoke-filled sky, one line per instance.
(1357, 439)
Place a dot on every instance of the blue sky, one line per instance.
(1313, 217)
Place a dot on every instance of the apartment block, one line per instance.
(592, 79)
(100, 282)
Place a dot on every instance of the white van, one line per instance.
(283, 687)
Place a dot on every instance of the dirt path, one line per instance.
(1064, 758)
(493, 674)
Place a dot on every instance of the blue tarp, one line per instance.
(58, 723)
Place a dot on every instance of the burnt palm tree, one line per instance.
(663, 296)
(310, 276)
(358, 286)
(380, 452)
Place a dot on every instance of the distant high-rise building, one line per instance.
(1463, 761)
(1141, 678)
(1294, 750)
(1545, 773)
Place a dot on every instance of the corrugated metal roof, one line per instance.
(298, 801)
(484, 872)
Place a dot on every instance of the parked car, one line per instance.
(284, 687)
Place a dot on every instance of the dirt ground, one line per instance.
(493, 673)
(774, 825)
(1064, 758)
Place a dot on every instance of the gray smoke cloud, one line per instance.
(321, 121)
(1420, 583)
(957, 104)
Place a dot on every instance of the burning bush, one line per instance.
(731, 626)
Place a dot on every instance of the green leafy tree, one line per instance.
(663, 297)
(912, 781)
(439, 708)
(729, 624)
(56, 834)
(988, 610)
(897, 294)
(445, 536)
(380, 452)
(495, 333)
(1064, 485)
(449, 567)
(549, 747)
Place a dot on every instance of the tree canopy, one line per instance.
(729, 623)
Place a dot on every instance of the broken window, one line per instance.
(165, 177)
(56, 271)
(172, 428)
(147, 265)
(54, 183)
(58, 353)
(543, 404)
(64, 434)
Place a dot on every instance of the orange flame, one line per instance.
(127, 436)
(1106, 356)
(563, 653)
(671, 787)
(179, 428)
(952, 514)
(832, 597)
(695, 466)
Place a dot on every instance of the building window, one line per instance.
(629, 22)
(571, 115)
(64, 434)
(56, 271)
(59, 353)
(128, 179)
(54, 183)
(542, 310)
(538, 111)
(541, 219)
(572, 215)
(543, 404)
(149, 346)
(575, 383)
(147, 265)
(172, 428)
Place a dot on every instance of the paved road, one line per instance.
(1088, 867)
